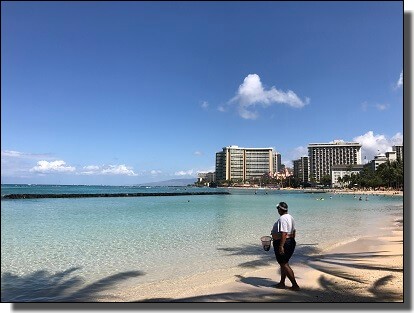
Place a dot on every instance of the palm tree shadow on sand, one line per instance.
(329, 292)
(42, 286)
(338, 285)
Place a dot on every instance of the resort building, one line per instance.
(322, 156)
(301, 169)
(399, 149)
(241, 164)
(207, 177)
(284, 174)
(377, 161)
(277, 166)
(391, 156)
(340, 171)
(382, 158)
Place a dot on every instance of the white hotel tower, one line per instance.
(323, 155)
(241, 164)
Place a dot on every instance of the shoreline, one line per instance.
(330, 190)
(365, 269)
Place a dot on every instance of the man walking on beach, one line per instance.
(284, 244)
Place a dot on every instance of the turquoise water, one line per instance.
(82, 189)
(167, 237)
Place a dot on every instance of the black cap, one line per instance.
(282, 206)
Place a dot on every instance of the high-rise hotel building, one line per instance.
(277, 165)
(399, 149)
(236, 163)
(323, 155)
(301, 169)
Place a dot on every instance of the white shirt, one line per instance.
(285, 224)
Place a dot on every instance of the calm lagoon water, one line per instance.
(171, 236)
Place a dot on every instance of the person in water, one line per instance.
(283, 234)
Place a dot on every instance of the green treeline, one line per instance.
(388, 174)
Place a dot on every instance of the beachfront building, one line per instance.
(399, 149)
(301, 170)
(221, 166)
(379, 159)
(284, 177)
(206, 178)
(391, 156)
(338, 172)
(234, 163)
(322, 156)
(277, 165)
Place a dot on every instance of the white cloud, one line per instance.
(90, 170)
(20, 164)
(397, 139)
(184, 173)
(381, 107)
(17, 154)
(221, 108)
(211, 169)
(299, 152)
(118, 170)
(108, 170)
(155, 172)
(373, 144)
(11, 154)
(198, 153)
(205, 105)
(52, 167)
(400, 81)
(246, 114)
(252, 93)
(294, 154)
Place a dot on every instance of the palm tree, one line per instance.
(340, 181)
(346, 179)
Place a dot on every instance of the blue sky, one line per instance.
(135, 92)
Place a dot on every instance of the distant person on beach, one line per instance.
(284, 244)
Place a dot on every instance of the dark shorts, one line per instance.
(289, 247)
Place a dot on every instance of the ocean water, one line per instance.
(162, 238)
